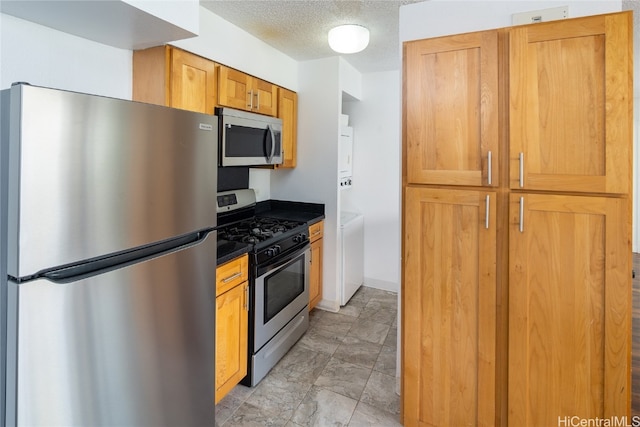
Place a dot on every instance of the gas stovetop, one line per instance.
(256, 230)
(269, 237)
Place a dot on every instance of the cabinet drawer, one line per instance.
(316, 231)
(231, 274)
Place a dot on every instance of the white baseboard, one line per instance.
(381, 284)
(333, 306)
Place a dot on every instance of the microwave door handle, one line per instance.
(273, 144)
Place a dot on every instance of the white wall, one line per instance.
(227, 44)
(46, 57)
(444, 17)
(376, 171)
(315, 178)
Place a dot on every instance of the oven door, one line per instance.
(281, 292)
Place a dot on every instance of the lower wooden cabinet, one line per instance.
(232, 319)
(569, 308)
(449, 308)
(315, 282)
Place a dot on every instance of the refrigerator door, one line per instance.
(91, 175)
(130, 347)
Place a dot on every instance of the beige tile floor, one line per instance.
(342, 372)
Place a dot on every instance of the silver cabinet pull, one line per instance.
(489, 168)
(230, 278)
(246, 297)
(522, 214)
(257, 94)
(486, 213)
(521, 170)
(250, 104)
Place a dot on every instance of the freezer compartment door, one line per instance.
(91, 175)
(133, 346)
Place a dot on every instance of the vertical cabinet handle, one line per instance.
(486, 213)
(246, 297)
(489, 168)
(521, 215)
(257, 95)
(521, 160)
(250, 104)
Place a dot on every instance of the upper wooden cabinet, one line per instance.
(451, 134)
(244, 92)
(570, 93)
(169, 76)
(288, 112)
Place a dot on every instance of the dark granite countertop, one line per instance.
(228, 250)
(293, 211)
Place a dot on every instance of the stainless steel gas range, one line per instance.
(279, 258)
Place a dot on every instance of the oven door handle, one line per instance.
(280, 262)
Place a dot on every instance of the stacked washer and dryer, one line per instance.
(351, 223)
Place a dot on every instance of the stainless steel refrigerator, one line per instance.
(107, 261)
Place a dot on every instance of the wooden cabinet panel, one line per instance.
(152, 75)
(232, 320)
(244, 92)
(449, 307)
(231, 274)
(315, 281)
(316, 231)
(288, 112)
(451, 107)
(569, 308)
(265, 99)
(193, 82)
(165, 75)
(231, 339)
(570, 97)
(233, 88)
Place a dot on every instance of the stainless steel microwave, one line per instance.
(248, 139)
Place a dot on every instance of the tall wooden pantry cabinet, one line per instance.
(517, 160)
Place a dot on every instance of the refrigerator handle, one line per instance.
(95, 266)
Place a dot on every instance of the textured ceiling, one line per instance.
(299, 28)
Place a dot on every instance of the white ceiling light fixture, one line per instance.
(348, 38)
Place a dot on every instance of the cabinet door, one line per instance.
(451, 108)
(315, 281)
(231, 339)
(193, 82)
(265, 97)
(234, 88)
(288, 112)
(569, 308)
(570, 105)
(449, 307)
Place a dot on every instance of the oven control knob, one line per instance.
(273, 251)
(298, 238)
